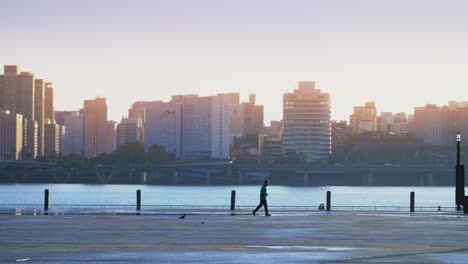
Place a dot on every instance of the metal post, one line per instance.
(328, 200)
(46, 200)
(138, 193)
(459, 177)
(412, 202)
(233, 200)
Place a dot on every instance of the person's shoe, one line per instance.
(268, 215)
(253, 212)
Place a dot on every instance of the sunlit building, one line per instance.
(11, 139)
(307, 126)
(73, 123)
(435, 125)
(94, 127)
(364, 118)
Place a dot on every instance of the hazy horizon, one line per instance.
(400, 54)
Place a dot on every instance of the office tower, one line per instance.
(94, 127)
(17, 92)
(111, 136)
(138, 111)
(221, 124)
(129, 131)
(196, 126)
(163, 125)
(364, 118)
(52, 136)
(270, 148)
(237, 122)
(11, 139)
(307, 128)
(39, 114)
(402, 124)
(73, 123)
(30, 130)
(49, 112)
(25, 95)
(8, 86)
(253, 116)
(435, 125)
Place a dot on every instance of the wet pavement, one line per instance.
(217, 237)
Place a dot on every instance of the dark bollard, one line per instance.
(138, 200)
(328, 200)
(46, 200)
(233, 200)
(412, 202)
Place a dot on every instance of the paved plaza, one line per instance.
(217, 237)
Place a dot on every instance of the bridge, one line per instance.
(228, 173)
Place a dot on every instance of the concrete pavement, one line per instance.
(286, 237)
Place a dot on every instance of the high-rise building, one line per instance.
(253, 116)
(52, 138)
(435, 125)
(39, 113)
(73, 123)
(385, 122)
(49, 112)
(21, 93)
(402, 124)
(196, 130)
(94, 127)
(307, 126)
(246, 117)
(364, 118)
(129, 131)
(221, 124)
(8, 88)
(111, 136)
(11, 139)
(24, 104)
(30, 130)
(162, 125)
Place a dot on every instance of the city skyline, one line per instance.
(399, 54)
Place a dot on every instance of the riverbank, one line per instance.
(312, 237)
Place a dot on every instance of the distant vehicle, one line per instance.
(388, 164)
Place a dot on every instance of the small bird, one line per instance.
(182, 217)
(170, 112)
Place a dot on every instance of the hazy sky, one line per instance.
(399, 53)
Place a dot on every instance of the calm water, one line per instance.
(69, 195)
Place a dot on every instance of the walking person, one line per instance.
(263, 199)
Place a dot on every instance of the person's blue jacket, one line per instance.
(263, 193)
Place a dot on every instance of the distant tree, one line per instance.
(157, 154)
(380, 148)
(132, 152)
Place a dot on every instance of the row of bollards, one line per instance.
(233, 201)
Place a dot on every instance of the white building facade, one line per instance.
(307, 124)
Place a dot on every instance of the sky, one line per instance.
(400, 54)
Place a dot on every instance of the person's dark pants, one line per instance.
(262, 203)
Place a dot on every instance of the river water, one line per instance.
(72, 195)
